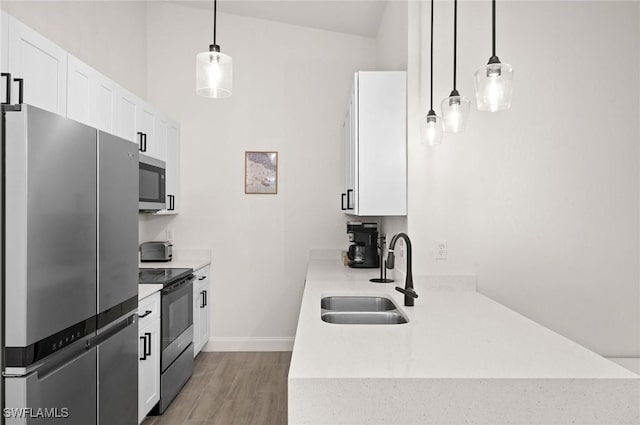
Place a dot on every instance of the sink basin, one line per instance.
(364, 317)
(350, 303)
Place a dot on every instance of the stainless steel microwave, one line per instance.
(152, 183)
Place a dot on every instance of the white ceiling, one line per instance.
(359, 17)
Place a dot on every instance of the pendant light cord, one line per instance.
(431, 83)
(215, 14)
(493, 27)
(455, 41)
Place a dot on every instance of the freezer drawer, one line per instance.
(56, 394)
(118, 374)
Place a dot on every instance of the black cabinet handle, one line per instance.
(148, 334)
(7, 88)
(202, 304)
(349, 192)
(141, 145)
(146, 313)
(202, 278)
(172, 204)
(20, 82)
(144, 349)
(206, 299)
(144, 142)
(342, 207)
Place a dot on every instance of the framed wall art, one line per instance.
(261, 173)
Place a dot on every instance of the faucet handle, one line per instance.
(410, 292)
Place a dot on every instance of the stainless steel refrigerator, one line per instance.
(69, 275)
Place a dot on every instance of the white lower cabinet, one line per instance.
(201, 309)
(149, 354)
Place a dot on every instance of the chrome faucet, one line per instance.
(409, 293)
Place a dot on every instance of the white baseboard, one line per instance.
(249, 344)
(631, 363)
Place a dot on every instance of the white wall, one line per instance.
(290, 88)
(541, 201)
(108, 35)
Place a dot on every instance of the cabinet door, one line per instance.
(104, 104)
(126, 115)
(160, 136)
(201, 309)
(173, 169)
(381, 143)
(43, 66)
(197, 301)
(79, 94)
(145, 123)
(148, 367)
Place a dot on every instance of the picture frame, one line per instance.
(261, 172)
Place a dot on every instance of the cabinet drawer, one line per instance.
(149, 308)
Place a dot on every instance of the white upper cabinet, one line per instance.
(172, 177)
(91, 97)
(126, 116)
(79, 94)
(160, 135)
(375, 146)
(41, 64)
(104, 104)
(59, 82)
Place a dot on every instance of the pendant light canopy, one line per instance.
(494, 82)
(455, 108)
(213, 69)
(433, 121)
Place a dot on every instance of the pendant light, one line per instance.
(494, 81)
(213, 69)
(455, 108)
(433, 122)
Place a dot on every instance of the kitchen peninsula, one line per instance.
(461, 358)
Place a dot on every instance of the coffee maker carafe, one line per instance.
(363, 252)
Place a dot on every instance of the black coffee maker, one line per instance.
(363, 252)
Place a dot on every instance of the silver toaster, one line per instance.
(156, 251)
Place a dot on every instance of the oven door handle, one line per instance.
(178, 286)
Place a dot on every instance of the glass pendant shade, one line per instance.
(433, 129)
(213, 74)
(494, 87)
(455, 113)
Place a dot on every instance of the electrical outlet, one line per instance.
(441, 250)
(169, 234)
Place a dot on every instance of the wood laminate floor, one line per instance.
(244, 388)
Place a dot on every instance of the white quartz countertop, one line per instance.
(182, 259)
(450, 334)
(147, 289)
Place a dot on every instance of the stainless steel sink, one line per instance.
(360, 310)
(364, 317)
(348, 303)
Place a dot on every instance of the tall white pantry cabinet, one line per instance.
(375, 145)
(54, 80)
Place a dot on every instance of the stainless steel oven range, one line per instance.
(176, 365)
